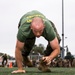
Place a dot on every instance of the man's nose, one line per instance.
(38, 33)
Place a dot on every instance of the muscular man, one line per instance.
(34, 24)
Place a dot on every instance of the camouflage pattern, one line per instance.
(27, 62)
(73, 63)
(43, 67)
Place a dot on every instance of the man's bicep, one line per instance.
(54, 43)
(19, 44)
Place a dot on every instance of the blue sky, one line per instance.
(12, 10)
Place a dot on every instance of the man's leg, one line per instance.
(48, 50)
(3, 62)
(29, 43)
(6, 62)
(42, 65)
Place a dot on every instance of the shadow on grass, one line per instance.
(44, 72)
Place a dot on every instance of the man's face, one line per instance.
(37, 26)
(38, 33)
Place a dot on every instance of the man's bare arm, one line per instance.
(56, 48)
(18, 55)
(56, 51)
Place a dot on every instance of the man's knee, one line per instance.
(25, 52)
(48, 51)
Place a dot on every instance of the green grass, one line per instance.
(35, 71)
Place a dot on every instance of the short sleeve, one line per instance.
(20, 36)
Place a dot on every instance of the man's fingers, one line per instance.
(43, 58)
(48, 63)
(46, 59)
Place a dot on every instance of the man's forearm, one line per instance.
(55, 53)
(18, 56)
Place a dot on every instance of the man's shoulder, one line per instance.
(47, 23)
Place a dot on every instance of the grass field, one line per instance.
(35, 71)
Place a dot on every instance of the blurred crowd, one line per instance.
(58, 62)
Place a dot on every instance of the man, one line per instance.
(4, 61)
(34, 24)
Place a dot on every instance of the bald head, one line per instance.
(37, 23)
(37, 26)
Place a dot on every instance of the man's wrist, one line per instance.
(51, 58)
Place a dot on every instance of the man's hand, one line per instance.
(18, 71)
(46, 59)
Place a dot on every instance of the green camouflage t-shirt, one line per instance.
(25, 31)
